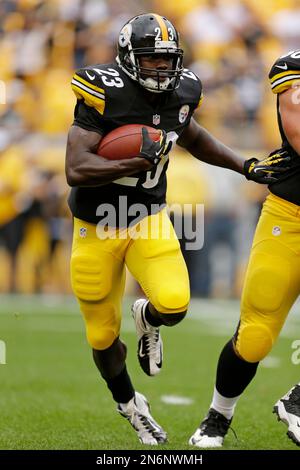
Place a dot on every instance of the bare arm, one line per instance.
(202, 145)
(85, 168)
(289, 105)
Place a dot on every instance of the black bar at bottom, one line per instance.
(127, 458)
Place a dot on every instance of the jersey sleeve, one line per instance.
(88, 118)
(86, 86)
(90, 96)
(197, 90)
(200, 97)
(191, 91)
(285, 72)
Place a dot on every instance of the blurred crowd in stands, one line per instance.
(230, 44)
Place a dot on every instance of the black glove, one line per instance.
(151, 150)
(270, 169)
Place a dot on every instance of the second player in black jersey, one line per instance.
(284, 74)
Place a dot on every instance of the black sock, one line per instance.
(233, 373)
(121, 387)
(151, 319)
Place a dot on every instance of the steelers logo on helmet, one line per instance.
(125, 35)
(150, 35)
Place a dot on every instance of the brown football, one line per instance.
(125, 141)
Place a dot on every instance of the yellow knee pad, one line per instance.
(254, 342)
(266, 283)
(173, 299)
(101, 338)
(89, 281)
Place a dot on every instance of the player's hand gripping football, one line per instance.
(270, 169)
(151, 150)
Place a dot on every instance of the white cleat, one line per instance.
(137, 411)
(287, 410)
(211, 431)
(150, 346)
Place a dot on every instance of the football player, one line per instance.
(272, 282)
(146, 85)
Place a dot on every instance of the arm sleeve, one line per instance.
(88, 118)
(197, 93)
(90, 105)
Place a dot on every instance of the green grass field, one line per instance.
(52, 397)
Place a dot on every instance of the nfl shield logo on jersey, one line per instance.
(156, 119)
(82, 232)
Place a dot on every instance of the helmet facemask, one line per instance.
(153, 79)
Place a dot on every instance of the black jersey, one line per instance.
(106, 99)
(284, 73)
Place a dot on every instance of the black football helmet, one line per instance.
(147, 35)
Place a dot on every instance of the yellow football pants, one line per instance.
(152, 254)
(272, 281)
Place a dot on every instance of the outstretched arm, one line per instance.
(202, 145)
